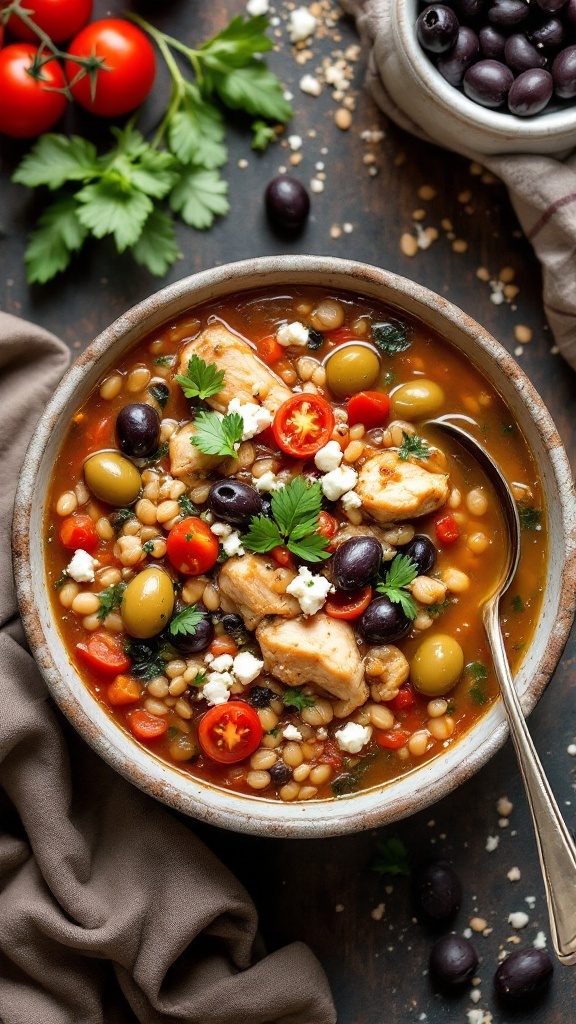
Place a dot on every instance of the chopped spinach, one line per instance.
(349, 780)
(120, 516)
(148, 657)
(478, 673)
(517, 604)
(391, 337)
(529, 516)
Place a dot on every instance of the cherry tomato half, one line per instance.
(447, 529)
(59, 19)
(393, 739)
(128, 58)
(303, 425)
(368, 407)
(29, 105)
(192, 547)
(327, 525)
(78, 531)
(104, 654)
(229, 732)
(348, 604)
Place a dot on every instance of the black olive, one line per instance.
(260, 697)
(453, 960)
(233, 623)
(438, 890)
(287, 202)
(523, 975)
(280, 773)
(138, 430)
(192, 643)
(235, 502)
(357, 562)
(383, 622)
(422, 552)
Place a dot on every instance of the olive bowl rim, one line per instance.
(253, 814)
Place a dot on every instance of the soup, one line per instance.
(268, 566)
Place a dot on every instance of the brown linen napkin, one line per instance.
(111, 911)
(542, 188)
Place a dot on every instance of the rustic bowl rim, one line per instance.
(253, 814)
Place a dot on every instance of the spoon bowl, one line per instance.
(556, 850)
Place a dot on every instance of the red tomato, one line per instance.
(348, 604)
(229, 732)
(405, 698)
(1, 34)
(104, 654)
(447, 529)
(223, 645)
(393, 739)
(28, 103)
(368, 407)
(192, 547)
(59, 19)
(146, 727)
(327, 525)
(269, 350)
(332, 754)
(130, 62)
(341, 334)
(78, 531)
(283, 557)
(124, 690)
(303, 424)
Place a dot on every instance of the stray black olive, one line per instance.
(260, 697)
(287, 202)
(438, 890)
(280, 773)
(523, 975)
(453, 960)
(138, 429)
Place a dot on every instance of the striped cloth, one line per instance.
(542, 188)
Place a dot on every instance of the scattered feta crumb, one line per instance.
(301, 24)
(467, 933)
(350, 500)
(378, 913)
(531, 901)
(475, 995)
(232, 545)
(290, 732)
(492, 843)
(316, 185)
(208, 658)
(329, 457)
(268, 482)
(221, 529)
(518, 919)
(475, 1016)
(310, 85)
(513, 875)
(571, 750)
(338, 481)
(504, 807)
(540, 941)
(255, 418)
(222, 663)
(256, 7)
(246, 667)
(81, 566)
(292, 334)
(295, 142)
(310, 591)
(217, 690)
(352, 737)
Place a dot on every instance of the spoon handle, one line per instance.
(556, 849)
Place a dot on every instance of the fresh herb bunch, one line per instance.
(401, 571)
(414, 446)
(295, 509)
(132, 191)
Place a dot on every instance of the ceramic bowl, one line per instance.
(445, 113)
(252, 813)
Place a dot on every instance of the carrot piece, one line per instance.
(145, 726)
(124, 690)
(223, 645)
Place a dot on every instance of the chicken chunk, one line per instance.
(257, 588)
(391, 489)
(186, 459)
(317, 650)
(246, 377)
(386, 669)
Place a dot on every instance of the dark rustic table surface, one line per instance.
(371, 185)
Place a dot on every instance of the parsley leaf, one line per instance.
(202, 380)
(196, 131)
(199, 196)
(262, 135)
(187, 506)
(529, 516)
(217, 435)
(55, 160)
(50, 247)
(402, 570)
(160, 453)
(294, 698)
(157, 248)
(517, 604)
(391, 337)
(148, 547)
(110, 599)
(434, 610)
(199, 679)
(415, 446)
(263, 535)
(254, 89)
(476, 671)
(109, 208)
(185, 622)
(391, 858)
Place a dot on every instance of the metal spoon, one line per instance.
(556, 849)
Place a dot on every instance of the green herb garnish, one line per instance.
(508, 429)
(294, 698)
(262, 135)
(479, 674)
(119, 517)
(160, 392)
(165, 361)
(216, 435)
(187, 506)
(148, 547)
(148, 658)
(517, 604)
(414, 446)
(59, 583)
(110, 599)
(434, 610)
(391, 858)
(402, 570)
(350, 779)
(185, 622)
(529, 516)
(295, 509)
(160, 453)
(199, 679)
(391, 337)
(202, 380)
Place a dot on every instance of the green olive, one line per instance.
(352, 368)
(416, 398)
(148, 603)
(112, 478)
(437, 665)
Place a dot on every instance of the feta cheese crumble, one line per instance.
(230, 539)
(352, 737)
(246, 667)
(492, 843)
(268, 482)
(81, 567)
(217, 688)
(292, 334)
(254, 417)
(310, 85)
(518, 919)
(292, 733)
(310, 591)
(350, 500)
(301, 24)
(256, 7)
(540, 941)
(338, 481)
(329, 457)
(222, 663)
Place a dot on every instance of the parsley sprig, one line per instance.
(401, 572)
(294, 698)
(216, 434)
(295, 509)
(110, 599)
(415, 446)
(185, 622)
(202, 380)
(133, 191)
